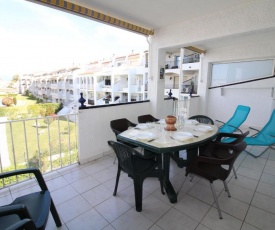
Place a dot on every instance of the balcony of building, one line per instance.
(83, 193)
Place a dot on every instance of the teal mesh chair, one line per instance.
(233, 124)
(264, 137)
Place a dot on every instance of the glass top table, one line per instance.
(154, 137)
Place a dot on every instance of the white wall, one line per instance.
(245, 32)
(94, 127)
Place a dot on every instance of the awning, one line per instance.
(94, 15)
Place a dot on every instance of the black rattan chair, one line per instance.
(212, 167)
(137, 167)
(120, 125)
(147, 118)
(30, 211)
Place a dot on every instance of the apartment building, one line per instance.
(115, 80)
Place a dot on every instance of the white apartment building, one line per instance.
(114, 80)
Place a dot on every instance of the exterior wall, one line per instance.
(94, 127)
(238, 31)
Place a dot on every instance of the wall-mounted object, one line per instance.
(161, 73)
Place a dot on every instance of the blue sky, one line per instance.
(35, 38)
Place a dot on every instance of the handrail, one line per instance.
(242, 82)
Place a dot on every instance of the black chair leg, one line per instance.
(138, 184)
(117, 180)
(55, 215)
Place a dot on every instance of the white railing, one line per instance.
(47, 143)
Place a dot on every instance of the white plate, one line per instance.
(145, 135)
(191, 122)
(203, 128)
(182, 136)
(142, 126)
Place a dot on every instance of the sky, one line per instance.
(35, 38)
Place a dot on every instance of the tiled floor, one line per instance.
(83, 196)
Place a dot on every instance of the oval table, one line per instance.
(156, 139)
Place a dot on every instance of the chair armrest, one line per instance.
(236, 128)
(231, 135)
(23, 224)
(211, 160)
(18, 209)
(34, 171)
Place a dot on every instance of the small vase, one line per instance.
(170, 121)
(82, 101)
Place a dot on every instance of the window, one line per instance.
(234, 72)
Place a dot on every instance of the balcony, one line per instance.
(84, 200)
(83, 193)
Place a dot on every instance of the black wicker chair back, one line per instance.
(202, 119)
(147, 118)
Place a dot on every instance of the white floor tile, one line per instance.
(97, 195)
(132, 220)
(266, 189)
(233, 206)
(202, 193)
(260, 218)
(240, 193)
(73, 208)
(153, 208)
(245, 182)
(264, 202)
(192, 207)
(175, 220)
(87, 221)
(212, 221)
(112, 208)
(63, 194)
(250, 173)
(85, 184)
(104, 175)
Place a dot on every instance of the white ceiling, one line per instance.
(153, 14)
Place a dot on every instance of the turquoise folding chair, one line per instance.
(233, 124)
(265, 137)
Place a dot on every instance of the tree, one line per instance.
(7, 101)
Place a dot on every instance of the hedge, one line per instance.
(44, 109)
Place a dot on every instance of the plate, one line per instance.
(203, 128)
(145, 135)
(142, 126)
(182, 136)
(191, 122)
